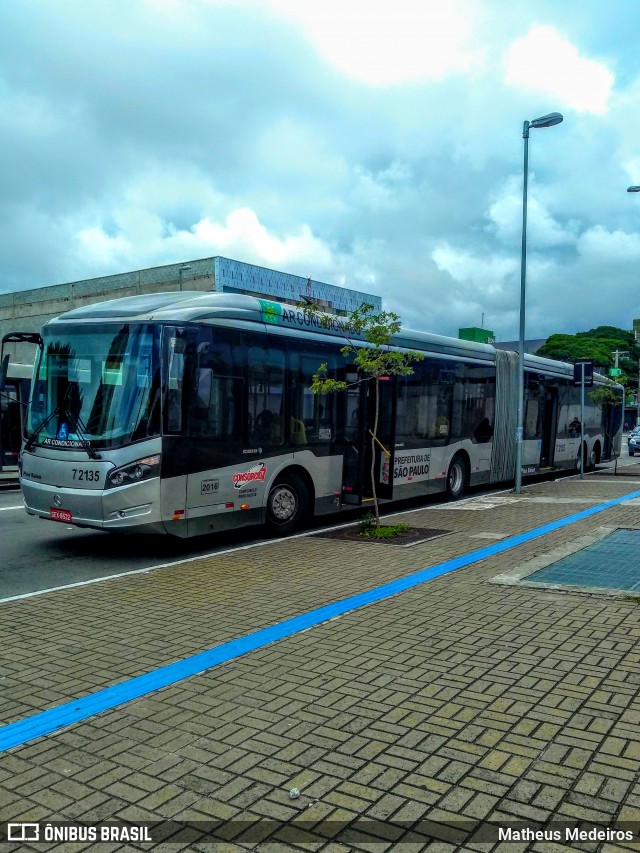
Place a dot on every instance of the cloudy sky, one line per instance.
(376, 145)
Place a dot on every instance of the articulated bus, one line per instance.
(189, 413)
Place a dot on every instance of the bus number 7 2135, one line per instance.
(84, 474)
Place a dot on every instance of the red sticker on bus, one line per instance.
(258, 472)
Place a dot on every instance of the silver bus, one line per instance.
(188, 413)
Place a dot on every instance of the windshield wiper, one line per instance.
(30, 441)
(81, 432)
(75, 422)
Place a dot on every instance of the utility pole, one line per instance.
(615, 374)
(617, 354)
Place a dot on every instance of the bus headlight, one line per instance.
(141, 469)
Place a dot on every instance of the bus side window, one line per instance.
(266, 396)
(176, 350)
(216, 406)
(312, 415)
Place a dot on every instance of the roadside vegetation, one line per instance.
(375, 360)
(599, 345)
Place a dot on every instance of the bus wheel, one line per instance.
(457, 478)
(287, 504)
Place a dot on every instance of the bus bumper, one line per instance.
(134, 508)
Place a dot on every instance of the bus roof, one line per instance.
(212, 308)
(239, 310)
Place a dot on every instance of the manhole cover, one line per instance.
(610, 563)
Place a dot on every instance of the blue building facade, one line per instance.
(237, 277)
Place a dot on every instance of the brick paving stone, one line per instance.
(459, 698)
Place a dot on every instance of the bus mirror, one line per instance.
(4, 369)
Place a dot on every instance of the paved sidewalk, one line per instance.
(420, 717)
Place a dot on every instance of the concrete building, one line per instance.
(28, 310)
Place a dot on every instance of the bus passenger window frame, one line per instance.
(174, 405)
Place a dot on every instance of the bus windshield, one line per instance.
(96, 384)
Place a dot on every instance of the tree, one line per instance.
(598, 345)
(572, 347)
(374, 358)
(605, 397)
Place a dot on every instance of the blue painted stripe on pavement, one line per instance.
(61, 716)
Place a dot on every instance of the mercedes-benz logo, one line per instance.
(57, 500)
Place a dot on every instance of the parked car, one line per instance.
(634, 442)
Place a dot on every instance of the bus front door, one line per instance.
(354, 425)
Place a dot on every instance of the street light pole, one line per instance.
(543, 121)
(636, 189)
(638, 397)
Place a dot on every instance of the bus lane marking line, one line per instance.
(76, 710)
(7, 508)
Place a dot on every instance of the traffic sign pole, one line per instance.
(582, 422)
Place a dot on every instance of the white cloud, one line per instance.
(389, 189)
(482, 276)
(141, 233)
(178, 129)
(543, 230)
(244, 235)
(389, 41)
(545, 62)
(598, 244)
(98, 249)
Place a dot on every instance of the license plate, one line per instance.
(60, 514)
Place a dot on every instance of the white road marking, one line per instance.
(7, 508)
(172, 564)
(470, 499)
(200, 556)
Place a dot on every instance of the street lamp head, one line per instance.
(633, 189)
(547, 121)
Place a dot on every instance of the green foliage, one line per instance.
(373, 356)
(603, 396)
(386, 531)
(367, 523)
(572, 347)
(598, 345)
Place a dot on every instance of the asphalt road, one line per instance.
(37, 554)
(40, 555)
